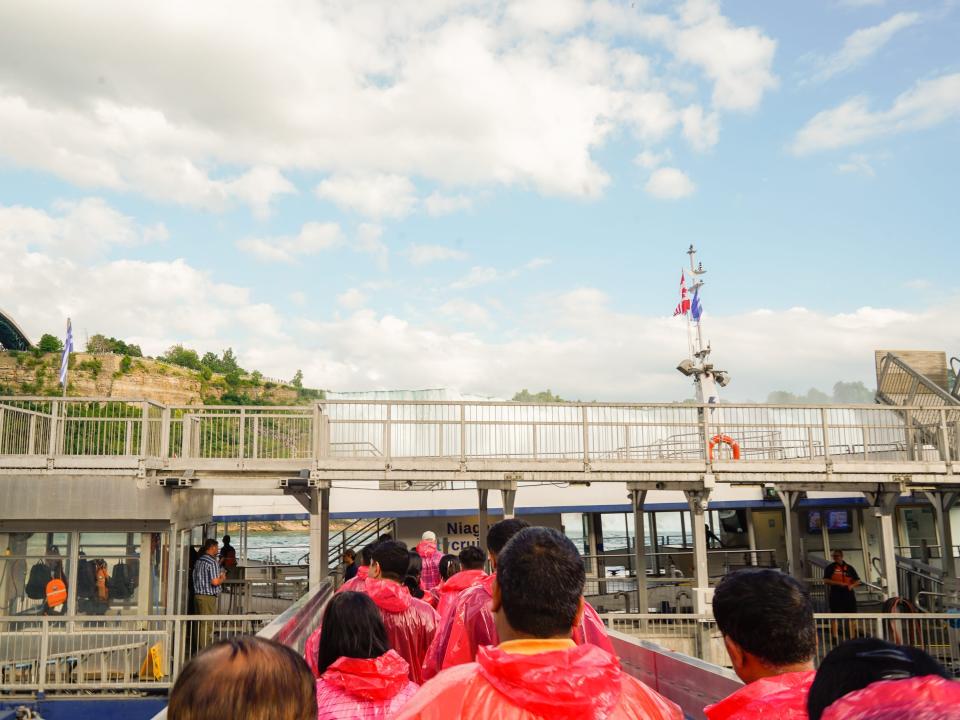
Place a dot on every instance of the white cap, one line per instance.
(429, 535)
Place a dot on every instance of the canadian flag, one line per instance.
(684, 305)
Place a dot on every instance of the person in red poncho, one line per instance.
(537, 671)
(870, 679)
(766, 619)
(471, 561)
(427, 550)
(471, 625)
(361, 678)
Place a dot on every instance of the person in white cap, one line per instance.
(427, 550)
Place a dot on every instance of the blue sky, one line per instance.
(487, 196)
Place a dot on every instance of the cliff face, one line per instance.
(143, 379)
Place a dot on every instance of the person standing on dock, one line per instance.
(427, 550)
(766, 619)
(207, 581)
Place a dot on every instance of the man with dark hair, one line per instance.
(349, 565)
(871, 678)
(357, 582)
(537, 671)
(471, 560)
(766, 619)
(207, 583)
(411, 623)
(471, 625)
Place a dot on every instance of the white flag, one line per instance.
(67, 349)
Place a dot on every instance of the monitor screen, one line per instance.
(837, 521)
(814, 521)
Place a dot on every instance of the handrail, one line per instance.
(928, 384)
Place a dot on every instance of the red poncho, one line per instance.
(920, 698)
(566, 683)
(471, 626)
(431, 557)
(356, 689)
(411, 623)
(357, 582)
(779, 697)
(449, 591)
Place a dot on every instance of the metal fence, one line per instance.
(698, 636)
(71, 653)
(464, 431)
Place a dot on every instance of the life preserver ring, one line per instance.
(726, 440)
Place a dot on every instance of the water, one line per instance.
(286, 548)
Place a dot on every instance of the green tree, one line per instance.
(297, 381)
(50, 343)
(545, 396)
(852, 392)
(184, 357)
(99, 344)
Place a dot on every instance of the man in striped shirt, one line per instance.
(207, 579)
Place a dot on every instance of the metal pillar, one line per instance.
(637, 498)
(885, 503)
(791, 502)
(319, 535)
(508, 492)
(509, 501)
(697, 501)
(483, 496)
(942, 503)
(655, 544)
(752, 538)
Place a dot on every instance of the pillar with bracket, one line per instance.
(637, 497)
(943, 502)
(697, 501)
(508, 492)
(884, 501)
(315, 498)
(791, 505)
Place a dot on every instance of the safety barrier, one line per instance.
(467, 431)
(71, 653)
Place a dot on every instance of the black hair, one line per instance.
(768, 614)
(366, 555)
(207, 544)
(541, 578)
(471, 558)
(393, 559)
(386, 537)
(352, 627)
(449, 566)
(500, 533)
(412, 578)
(861, 662)
(226, 539)
(350, 554)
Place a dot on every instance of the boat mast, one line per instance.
(706, 379)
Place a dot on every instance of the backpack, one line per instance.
(56, 593)
(86, 579)
(119, 584)
(40, 575)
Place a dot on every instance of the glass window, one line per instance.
(28, 564)
(108, 572)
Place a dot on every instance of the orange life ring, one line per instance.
(56, 593)
(726, 440)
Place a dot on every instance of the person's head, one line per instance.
(837, 556)
(386, 537)
(499, 535)
(449, 566)
(366, 554)
(429, 536)
(244, 677)
(412, 578)
(471, 558)
(352, 627)
(210, 546)
(349, 556)
(390, 561)
(226, 539)
(857, 663)
(539, 587)
(766, 619)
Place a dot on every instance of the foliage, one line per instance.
(125, 364)
(50, 343)
(843, 393)
(232, 378)
(544, 396)
(224, 364)
(100, 344)
(92, 365)
(297, 381)
(256, 377)
(179, 355)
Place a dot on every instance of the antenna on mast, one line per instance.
(706, 378)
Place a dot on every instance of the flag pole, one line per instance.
(65, 359)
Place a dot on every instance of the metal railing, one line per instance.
(467, 431)
(122, 653)
(698, 636)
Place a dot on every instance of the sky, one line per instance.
(487, 196)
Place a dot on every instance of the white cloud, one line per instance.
(918, 284)
(857, 164)
(927, 104)
(368, 241)
(314, 237)
(701, 130)
(537, 262)
(210, 104)
(863, 44)
(376, 196)
(298, 298)
(739, 60)
(352, 299)
(425, 254)
(649, 159)
(668, 183)
(83, 228)
(477, 276)
(467, 312)
(438, 204)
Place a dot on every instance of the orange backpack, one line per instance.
(56, 593)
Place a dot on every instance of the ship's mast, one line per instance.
(706, 379)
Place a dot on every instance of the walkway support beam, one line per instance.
(508, 493)
(791, 505)
(697, 501)
(884, 502)
(943, 503)
(316, 501)
(637, 498)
